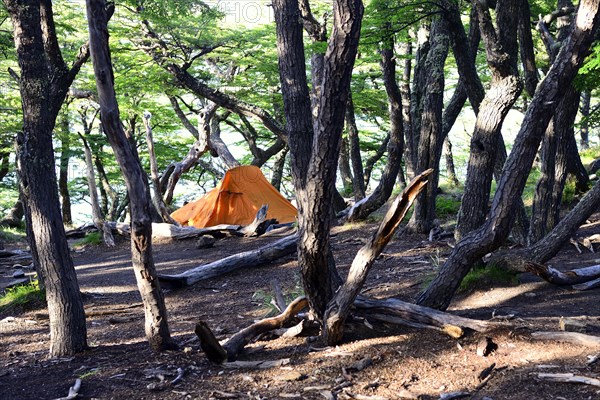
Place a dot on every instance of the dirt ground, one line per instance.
(376, 361)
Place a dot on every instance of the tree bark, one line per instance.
(450, 170)
(314, 165)
(157, 329)
(44, 82)
(510, 187)
(431, 137)
(63, 177)
(585, 112)
(501, 50)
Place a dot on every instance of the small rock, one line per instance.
(205, 242)
(18, 274)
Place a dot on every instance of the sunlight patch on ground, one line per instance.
(96, 265)
(494, 297)
(111, 289)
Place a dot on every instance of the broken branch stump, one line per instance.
(234, 345)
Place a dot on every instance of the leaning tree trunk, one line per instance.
(42, 94)
(547, 247)
(501, 49)
(157, 329)
(339, 307)
(496, 228)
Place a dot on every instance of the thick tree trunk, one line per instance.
(431, 133)
(501, 49)
(496, 228)
(44, 82)
(157, 329)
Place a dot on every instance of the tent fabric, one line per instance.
(236, 200)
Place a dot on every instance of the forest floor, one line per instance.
(376, 361)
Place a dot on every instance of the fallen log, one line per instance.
(13, 257)
(234, 345)
(252, 258)
(587, 285)
(399, 312)
(569, 378)
(570, 337)
(175, 232)
(572, 277)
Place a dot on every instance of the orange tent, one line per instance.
(236, 200)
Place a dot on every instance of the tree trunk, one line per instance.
(501, 49)
(63, 177)
(157, 198)
(97, 215)
(584, 109)
(450, 170)
(431, 137)
(314, 166)
(15, 215)
(344, 166)
(278, 168)
(395, 147)
(157, 329)
(44, 82)
(410, 147)
(496, 228)
(218, 145)
(358, 182)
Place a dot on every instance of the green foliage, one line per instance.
(589, 155)
(446, 206)
(12, 234)
(267, 301)
(90, 239)
(27, 296)
(569, 192)
(489, 276)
